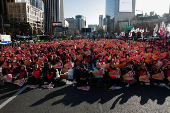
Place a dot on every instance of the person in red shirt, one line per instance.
(49, 75)
(157, 71)
(35, 79)
(113, 80)
(22, 72)
(9, 69)
(141, 72)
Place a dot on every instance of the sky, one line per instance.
(91, 9)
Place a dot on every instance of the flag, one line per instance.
(69, 65)
(158, 76)
(79, 57)
(155, 30)
(115, 73)
(105, 66)
(98, 72)
(87, 53)
(58, 65)
(7, 78)
(144, 78)
(128, 76)
(20, 82)
(147, 30)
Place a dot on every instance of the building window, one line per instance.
(11, 15)
(28, 10)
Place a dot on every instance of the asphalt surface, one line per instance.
(68, 99)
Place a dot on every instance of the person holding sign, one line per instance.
(143, 75)
(157, 76)
(113, 74)
(9, 70)
(128, 75)
(98, 75)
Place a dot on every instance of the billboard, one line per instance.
(125, 6)
(57, 24)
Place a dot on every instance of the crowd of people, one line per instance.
(96, 62)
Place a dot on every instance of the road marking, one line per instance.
(11, 98)
(167, 87)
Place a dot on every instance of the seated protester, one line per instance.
(50, 75)
(36, 74)
(83, 62)
(167, 74)
(164, 65)
(22, 72)
(9, 70)
(59, 61)
(141, 72)
(98, 80)
(157, 76)
(113, 80)
(82, 76)
(128, 71)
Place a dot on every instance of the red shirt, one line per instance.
(22, 73)
(36, 73)
(50, 74)
(9, 71)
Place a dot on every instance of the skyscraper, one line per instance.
(54, 12)
(110, 8)
(100, 21)
(120, 10)
(81, 21)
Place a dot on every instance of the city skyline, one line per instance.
(92, 9)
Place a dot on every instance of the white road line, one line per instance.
(11, 98)
(167, 87)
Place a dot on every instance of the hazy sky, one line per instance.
(91, 9)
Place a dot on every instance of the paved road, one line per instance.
(68, 99)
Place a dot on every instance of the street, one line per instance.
(64, 99)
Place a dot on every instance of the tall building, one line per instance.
(93, 27)
(26, 11)
(81, 21)
(54, 12)
(122, 11)
(3, 6)
(100, 21)
(73, 23)
(110, 8)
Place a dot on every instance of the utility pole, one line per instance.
(2, 24)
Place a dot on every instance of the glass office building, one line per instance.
(110, 8)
